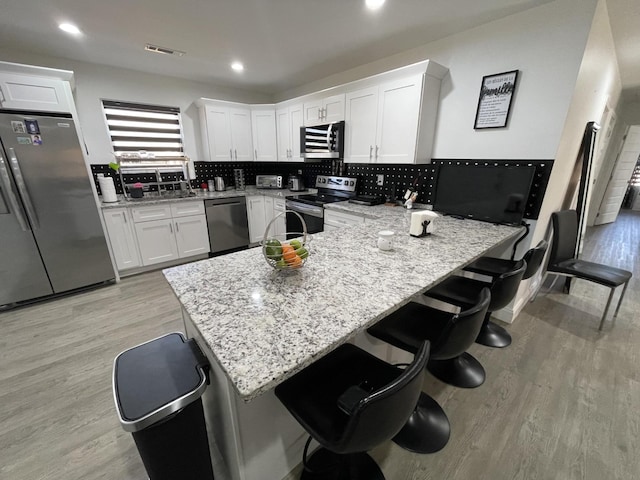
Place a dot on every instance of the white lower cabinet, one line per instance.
(148, 235)
(261, 209)
(122, 238)
(256, 217)
(334, 219)
(192, 235)
(156, 241)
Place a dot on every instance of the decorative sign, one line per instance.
(494, 104)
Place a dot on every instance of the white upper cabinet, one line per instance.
(324, 110)
(394, 121)
(227, 132)
(263, 127)
(26, 92)
(288, 122)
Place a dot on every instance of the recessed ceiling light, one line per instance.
(374, 4)
(237, 66)
(69, 28)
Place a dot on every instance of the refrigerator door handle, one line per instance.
(13, 201)
(22, 189)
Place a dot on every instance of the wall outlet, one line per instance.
(380, 180)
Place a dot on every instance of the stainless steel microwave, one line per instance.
(322, 141)
(270, 181)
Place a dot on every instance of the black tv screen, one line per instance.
(496, 194)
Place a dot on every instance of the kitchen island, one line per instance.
(259, 326)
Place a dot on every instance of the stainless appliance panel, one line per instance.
(22, 273)
(228, 223)
(54, 187)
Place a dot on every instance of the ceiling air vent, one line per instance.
(163, 50)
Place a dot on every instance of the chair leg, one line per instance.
(326, 465)
(463, 371)
(492, 335)
(624, 289)
(606, 309)
(427, 430)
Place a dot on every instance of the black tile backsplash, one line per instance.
(397, 178)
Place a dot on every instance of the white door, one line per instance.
(333, 108)
(361, 114)
(219, 134)
(157, 241)
(283, 130)
(263, 123)
(398, 111)
(240, 120)
(192, 235)
(122, 238)
(296, 115)
(620, 176)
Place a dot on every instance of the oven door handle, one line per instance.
(308, 209)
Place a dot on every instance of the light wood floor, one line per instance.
(561, 403)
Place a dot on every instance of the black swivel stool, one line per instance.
(494, 267)
(450, 336)
(350, 401)
(462, 291)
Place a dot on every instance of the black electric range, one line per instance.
(311, 206)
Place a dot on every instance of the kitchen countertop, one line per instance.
(263, 325)
(200, 195)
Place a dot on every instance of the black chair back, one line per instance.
(504, 287)
(382, 414)
(565, 236)
(462, 329)
(534, 259)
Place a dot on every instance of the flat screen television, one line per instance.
(496, 194)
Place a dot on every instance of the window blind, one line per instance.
(136, 128)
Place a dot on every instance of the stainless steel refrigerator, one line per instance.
(51, 238)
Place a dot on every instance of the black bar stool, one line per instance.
(450, 335)
(350, 401)
(461, 291)
(493, 267)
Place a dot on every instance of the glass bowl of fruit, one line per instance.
(285, 250)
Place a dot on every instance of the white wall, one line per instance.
(598, 83)
(96, 82)
(545, 43)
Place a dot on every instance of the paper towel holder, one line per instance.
(424, 233)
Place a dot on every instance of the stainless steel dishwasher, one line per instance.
(228, 224)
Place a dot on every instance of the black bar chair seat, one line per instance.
(494, 267)
(350, 401)
(563, 261)
(463, 291)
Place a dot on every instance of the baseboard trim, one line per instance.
(509, 313)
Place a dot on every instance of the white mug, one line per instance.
(385, 240)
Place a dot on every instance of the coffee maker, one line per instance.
(296, 184)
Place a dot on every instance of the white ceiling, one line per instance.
(283, 43)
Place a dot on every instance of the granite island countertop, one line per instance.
(263, 326)
(155, 199)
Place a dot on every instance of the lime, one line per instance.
(273, 249)
(302, 252)
(296, 244)
(281, 263)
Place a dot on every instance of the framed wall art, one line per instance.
(494, 104)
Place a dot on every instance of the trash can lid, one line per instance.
(157, 378)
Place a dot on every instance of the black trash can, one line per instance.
(157, 388)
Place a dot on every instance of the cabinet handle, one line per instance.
(370, 151)
(171, 227)
(377, 152)
(177, 227)
(1, 96)
(236, 152)
(231, 154)
(324, 113)
(256, 152)
(124, 215)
